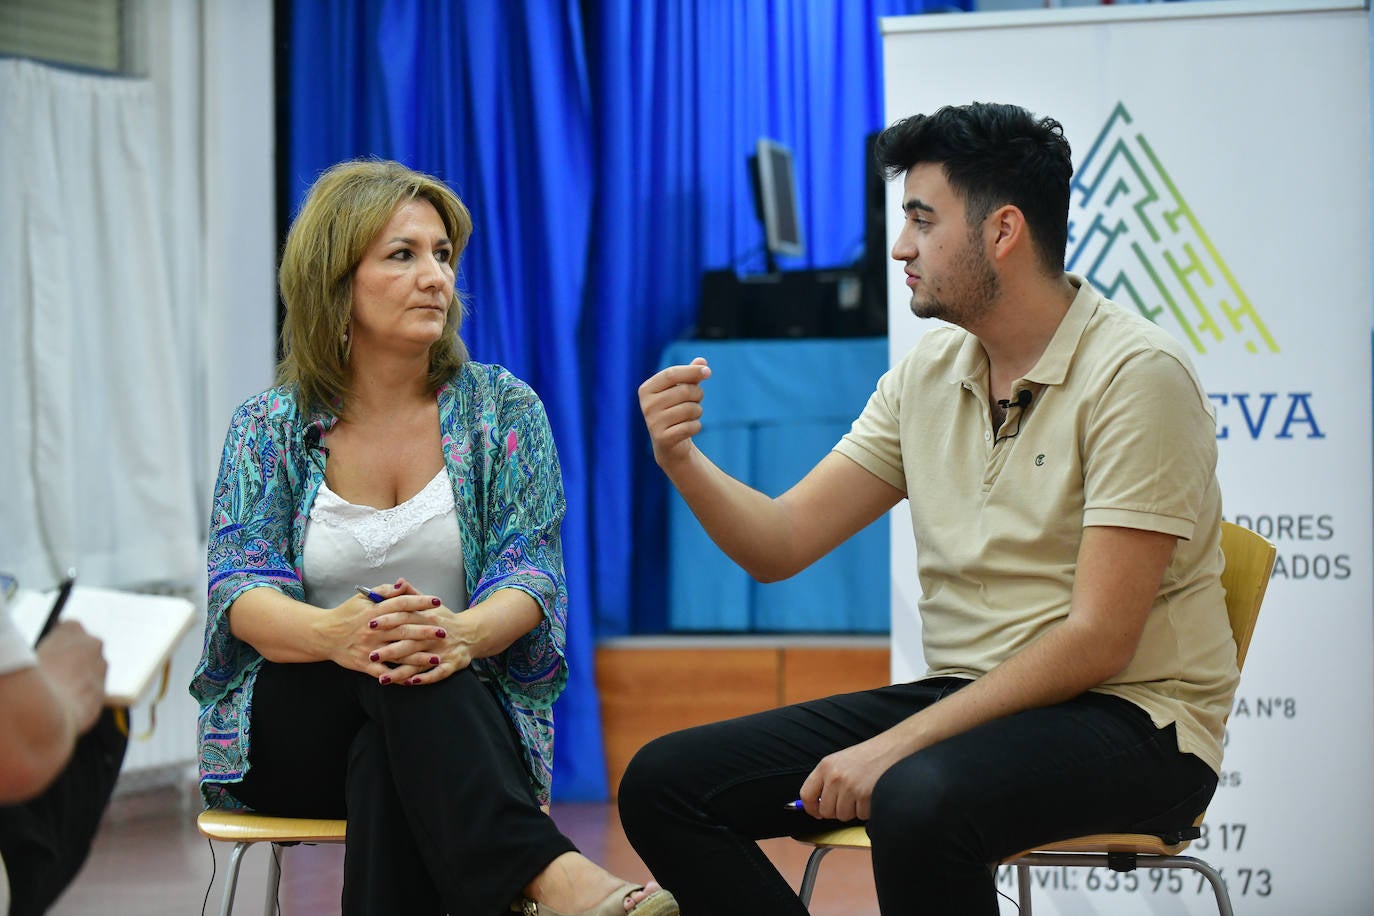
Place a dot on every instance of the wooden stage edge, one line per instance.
(653, 685)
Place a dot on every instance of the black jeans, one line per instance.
(46, 840)
(441, 814)
(693, 803)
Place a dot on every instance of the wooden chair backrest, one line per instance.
(1249, 563)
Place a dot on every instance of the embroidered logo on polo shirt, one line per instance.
(1040, 460)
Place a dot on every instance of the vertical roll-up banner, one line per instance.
(1222, 187)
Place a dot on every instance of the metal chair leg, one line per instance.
(1090, 860)
(813, 865)
(1214, 878)
(275, 853)
(231, 879)
(1023, 889)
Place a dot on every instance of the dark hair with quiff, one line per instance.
(992, 155)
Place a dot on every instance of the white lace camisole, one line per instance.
(347, 545)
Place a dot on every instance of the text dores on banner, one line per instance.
(1305, 544)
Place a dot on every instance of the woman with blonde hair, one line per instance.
(332, 683)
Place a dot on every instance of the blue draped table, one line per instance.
(773, 409)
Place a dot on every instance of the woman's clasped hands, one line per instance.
(407, 638)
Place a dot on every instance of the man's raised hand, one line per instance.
(671, 403)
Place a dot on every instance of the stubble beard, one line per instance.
(970, 294)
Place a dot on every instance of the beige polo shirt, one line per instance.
(1119, 432)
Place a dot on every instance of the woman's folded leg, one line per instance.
(463, 790)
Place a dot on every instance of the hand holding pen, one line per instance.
(370, 595)
(408, 668)
(64, 591)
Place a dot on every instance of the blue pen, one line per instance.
(797, 805)
(369, 594)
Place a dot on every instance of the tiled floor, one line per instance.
(150, 861)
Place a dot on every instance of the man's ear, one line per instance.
(1006, 230)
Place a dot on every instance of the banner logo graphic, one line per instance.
(1134, 237)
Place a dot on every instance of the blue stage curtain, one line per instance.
(491, 97)
(598, 197)
(682, 89)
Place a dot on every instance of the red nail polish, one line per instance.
(372, 624)
(399, 583)
(441, 633)
(414, 682)
(435, 601)
(375, 656)
(385, 679)
(434, 659)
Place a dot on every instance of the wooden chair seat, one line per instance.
(244, 828)
(249, 827)
(1137, 843)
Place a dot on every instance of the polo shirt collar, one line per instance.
(1053, 365)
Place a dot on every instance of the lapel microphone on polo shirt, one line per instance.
(1023, 400)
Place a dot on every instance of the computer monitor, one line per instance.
(775, 195)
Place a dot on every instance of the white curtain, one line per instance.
(96, 469)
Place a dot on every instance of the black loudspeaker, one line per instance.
(874, 267)
(718, 315)
(800, 303)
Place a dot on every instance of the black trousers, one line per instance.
(441, 814)
(46, 840)
(693, 803)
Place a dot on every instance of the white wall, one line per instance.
(212, 65)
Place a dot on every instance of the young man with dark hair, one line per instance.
(1058, 454)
